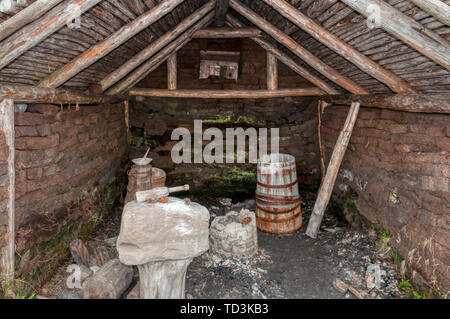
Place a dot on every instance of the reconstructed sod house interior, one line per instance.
(360, 93)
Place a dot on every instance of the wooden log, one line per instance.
(7, 253)
(172, 72)
(424, 103)
(101, 49)
(26, 16)
(406, 29)
(327, 38)
(294, 66)
(221, 11)
(34, 94)
(272, 71)
(436, 8)
(153, 48)
(227, 33)
(326, 188)
(140, 73)
(29, 36)
(297, 49)
(227, 94)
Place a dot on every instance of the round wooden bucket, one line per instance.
(278, 209)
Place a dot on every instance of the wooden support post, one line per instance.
(153, 48)
(127, 118)
(34, 94)
(147, 67)
(227, 94)
(172, 72)
(101, 49)
(406, 29)
(227, 33)
(436, 8)
(26, 16)
(7, 253)
(326, 188)
(333, 42)
(221, 11)
(294, 66)
(29, 36)
(297, 49)
(272, 72)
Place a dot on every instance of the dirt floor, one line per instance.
(289, 266)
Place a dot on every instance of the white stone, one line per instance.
(162, 231)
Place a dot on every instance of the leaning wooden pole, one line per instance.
(327, 185)
(7, 253)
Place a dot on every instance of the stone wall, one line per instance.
(397, 171)
(152, 121)
(68, 165)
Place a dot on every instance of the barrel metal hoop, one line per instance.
(277, 186)
(278, 221)
(284, 199)
(278, 213)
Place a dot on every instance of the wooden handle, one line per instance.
(179, 188)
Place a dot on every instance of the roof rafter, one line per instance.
(297, 49)
(25, 16)
(221, 11)
(153, 48)
(102, 48)
(147, 67)
(308, 25)
(436, 8)
(32, 34)
(406, 29)
(286, 60)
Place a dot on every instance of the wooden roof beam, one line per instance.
(35, 32)
(221, 11)
(406, 29)
(436, 8)
(146, 68)
(282, 57)
(153, 48)
(227, 33)
(104, 47)
(397, 84)
(26, 16)
(297, 49)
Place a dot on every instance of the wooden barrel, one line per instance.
(278, 203)
(140, 179)
(158, 177)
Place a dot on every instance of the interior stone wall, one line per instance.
(396, 171)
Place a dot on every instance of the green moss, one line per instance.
(219, 120)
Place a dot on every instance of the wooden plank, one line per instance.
(272, 71)
(172, 72)
(104, 47)
(297, 49)
(327, 38)
(7, 253)
(227, 33)
(436, 8)
(34, 94)
(227, 94)
(430, 103)
(221, 11)
(29, 36)
(140, 73)
(406, 29)
(26, 16)
(153, 48)
(282, 57)
(326, 188)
